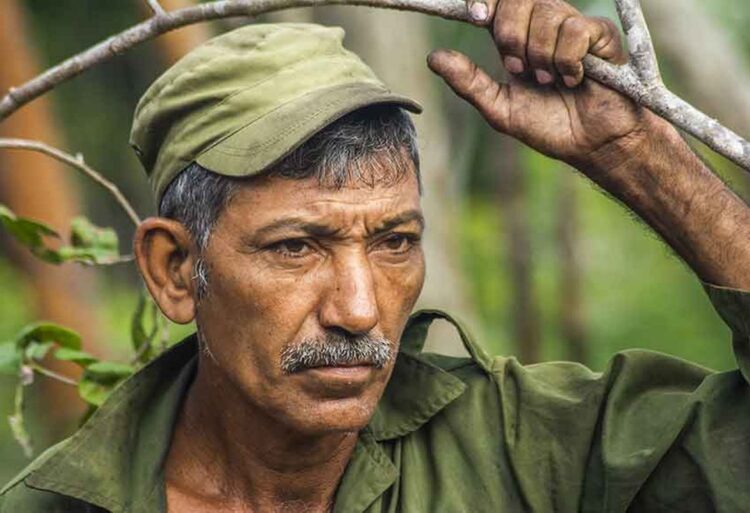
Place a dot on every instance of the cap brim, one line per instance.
(266, 140)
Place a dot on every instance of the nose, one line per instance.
(350, 302)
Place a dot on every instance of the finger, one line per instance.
(510, 29)
(473, 84)
(481, 11)
(546, 20)
(572, 46)
(608, 45)
(580, 35)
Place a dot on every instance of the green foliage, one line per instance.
(35, 343)
(29, 233)
(146, 325)
(25, 356)
(100, 378)
(81, 358)
(10, 359)
(89, 244)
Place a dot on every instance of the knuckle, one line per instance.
(509, 41)
(575, 27)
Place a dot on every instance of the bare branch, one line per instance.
(77, 163)
(642, 54)
(162, 23)
(639, 80)
(156, 7)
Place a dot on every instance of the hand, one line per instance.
(547, 103)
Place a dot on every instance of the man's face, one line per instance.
(292, 262)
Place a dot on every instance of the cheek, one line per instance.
(398, 289)
(251, 313)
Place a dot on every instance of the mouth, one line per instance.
(342, 374)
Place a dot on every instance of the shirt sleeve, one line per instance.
(652, 433)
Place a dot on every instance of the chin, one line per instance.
(333, 416)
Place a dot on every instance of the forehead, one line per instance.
(269, 199)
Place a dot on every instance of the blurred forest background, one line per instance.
(541, 264)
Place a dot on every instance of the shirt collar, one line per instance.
(115, 461)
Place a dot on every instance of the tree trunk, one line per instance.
(512, 197)
(570, 304)
(38, 187)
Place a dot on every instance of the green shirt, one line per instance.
(651, 434)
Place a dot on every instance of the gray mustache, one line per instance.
(336, 350)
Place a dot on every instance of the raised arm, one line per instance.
(628, 151)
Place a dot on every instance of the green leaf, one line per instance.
(110, 371)
(93, 392)
(48, 332)
(81, 358)
(38, 350)
(90, 243)
(100, 378)
(141, 334)
(10, 359)
(30, 234)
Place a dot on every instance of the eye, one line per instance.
(291, 248)
(399, 242)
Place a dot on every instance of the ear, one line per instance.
(165, 254)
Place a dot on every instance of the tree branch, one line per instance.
(77, 163)
(156, 7)
(639, 80)
(52, 374)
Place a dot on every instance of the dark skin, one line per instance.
(251, 438)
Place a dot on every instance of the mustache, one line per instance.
(334, 349)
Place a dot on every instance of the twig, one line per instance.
(642, 54)
(156, 7)
(120, 259)
(75, 162)
(639, 80)
(52, 374)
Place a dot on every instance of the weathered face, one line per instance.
(289, 262)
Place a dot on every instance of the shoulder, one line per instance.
(635, 384)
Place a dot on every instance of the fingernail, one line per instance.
(513, 64)
(570, 81)
(544, 77)
(478, 11)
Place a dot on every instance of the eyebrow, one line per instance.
(322, 230)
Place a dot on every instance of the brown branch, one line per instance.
(77, 163)
(639, 80)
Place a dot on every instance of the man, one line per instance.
(289, 229)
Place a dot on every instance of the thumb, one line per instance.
(473, 84)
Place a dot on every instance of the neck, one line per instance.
(225, 450)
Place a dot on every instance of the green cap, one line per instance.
(242, 101)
